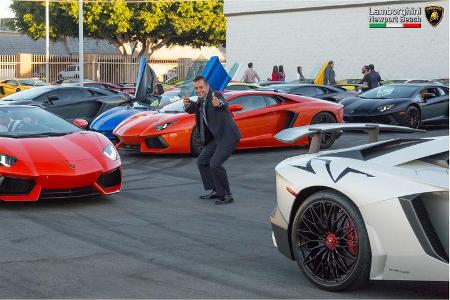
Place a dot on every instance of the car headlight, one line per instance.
(385, 107)
(164, 125)
(111, 152)
(7, 160)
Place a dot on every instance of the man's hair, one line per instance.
(371, 67)
(250, 65)
(330, 62)
(200, 77)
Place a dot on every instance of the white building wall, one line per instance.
(334, 30)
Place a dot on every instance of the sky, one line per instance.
(5, 12)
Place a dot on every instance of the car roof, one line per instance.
(418, 85)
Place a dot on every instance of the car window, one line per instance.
(442, 91)
(321, 91)
(11, 82)
(309, 91)
(84, 93)
(238, 88)
(249, 103)
(270, 101)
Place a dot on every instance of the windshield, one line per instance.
(176, 107)
(21, 122)
(28, 94)
(390, 92)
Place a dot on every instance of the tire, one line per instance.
(413, 117)
(196, 146)
(328, 138)
(331, 264)
(18, 90)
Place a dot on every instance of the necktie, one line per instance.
(202, 121)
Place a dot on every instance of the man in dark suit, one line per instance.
(219, 135)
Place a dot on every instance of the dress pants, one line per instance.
(210, 161)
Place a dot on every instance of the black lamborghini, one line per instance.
(330, 93)
(407, 104)
(69, 102)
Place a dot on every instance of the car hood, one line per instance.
(18, 102)
(77, 146)
(356, 105)
(109, 120)
(142, 123)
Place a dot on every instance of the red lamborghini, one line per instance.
(43, 156)
(259, 115)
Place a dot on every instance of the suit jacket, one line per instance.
(221, 125)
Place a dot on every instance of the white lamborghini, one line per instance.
(377, 211)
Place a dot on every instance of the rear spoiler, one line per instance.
(315, 131)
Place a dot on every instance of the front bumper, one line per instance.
(280, 233)
(56, 186)
(394, 118)
(165, 143)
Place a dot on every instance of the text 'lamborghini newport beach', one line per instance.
(43, 156)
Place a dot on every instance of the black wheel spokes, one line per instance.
(413, 118)
(327, 242)
(326, 136)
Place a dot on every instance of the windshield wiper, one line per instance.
(41, 134)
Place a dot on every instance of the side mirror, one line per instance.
(81, 123)
(235, 107)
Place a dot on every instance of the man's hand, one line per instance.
(186, 101)
(215, 101)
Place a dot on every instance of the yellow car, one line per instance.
(11, 86)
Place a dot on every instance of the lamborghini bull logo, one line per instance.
(434, 14)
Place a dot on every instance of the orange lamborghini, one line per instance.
(259, 115)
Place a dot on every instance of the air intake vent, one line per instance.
(15, 186)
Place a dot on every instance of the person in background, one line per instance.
(375, 74)
(330, 76)
(300, 76)
(281, 72)
(365, 80)
(250, 75)
(275, 74)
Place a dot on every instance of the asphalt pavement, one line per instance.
(156, 239)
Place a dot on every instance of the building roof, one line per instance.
(13, 43)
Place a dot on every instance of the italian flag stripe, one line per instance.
(412, 25)
(395, 25)
(377, 25)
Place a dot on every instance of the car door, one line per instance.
(254, 120)
(435, 107)
(84, 103)
(57, 101)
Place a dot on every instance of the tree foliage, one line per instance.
(130, 27)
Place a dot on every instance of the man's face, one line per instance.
(364, 71)
(332, 65)
(201, 88)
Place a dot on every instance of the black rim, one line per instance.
(327, 242)
(413, 118)
(327, 137)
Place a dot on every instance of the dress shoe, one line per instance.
(211, 195)
(224, 199)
